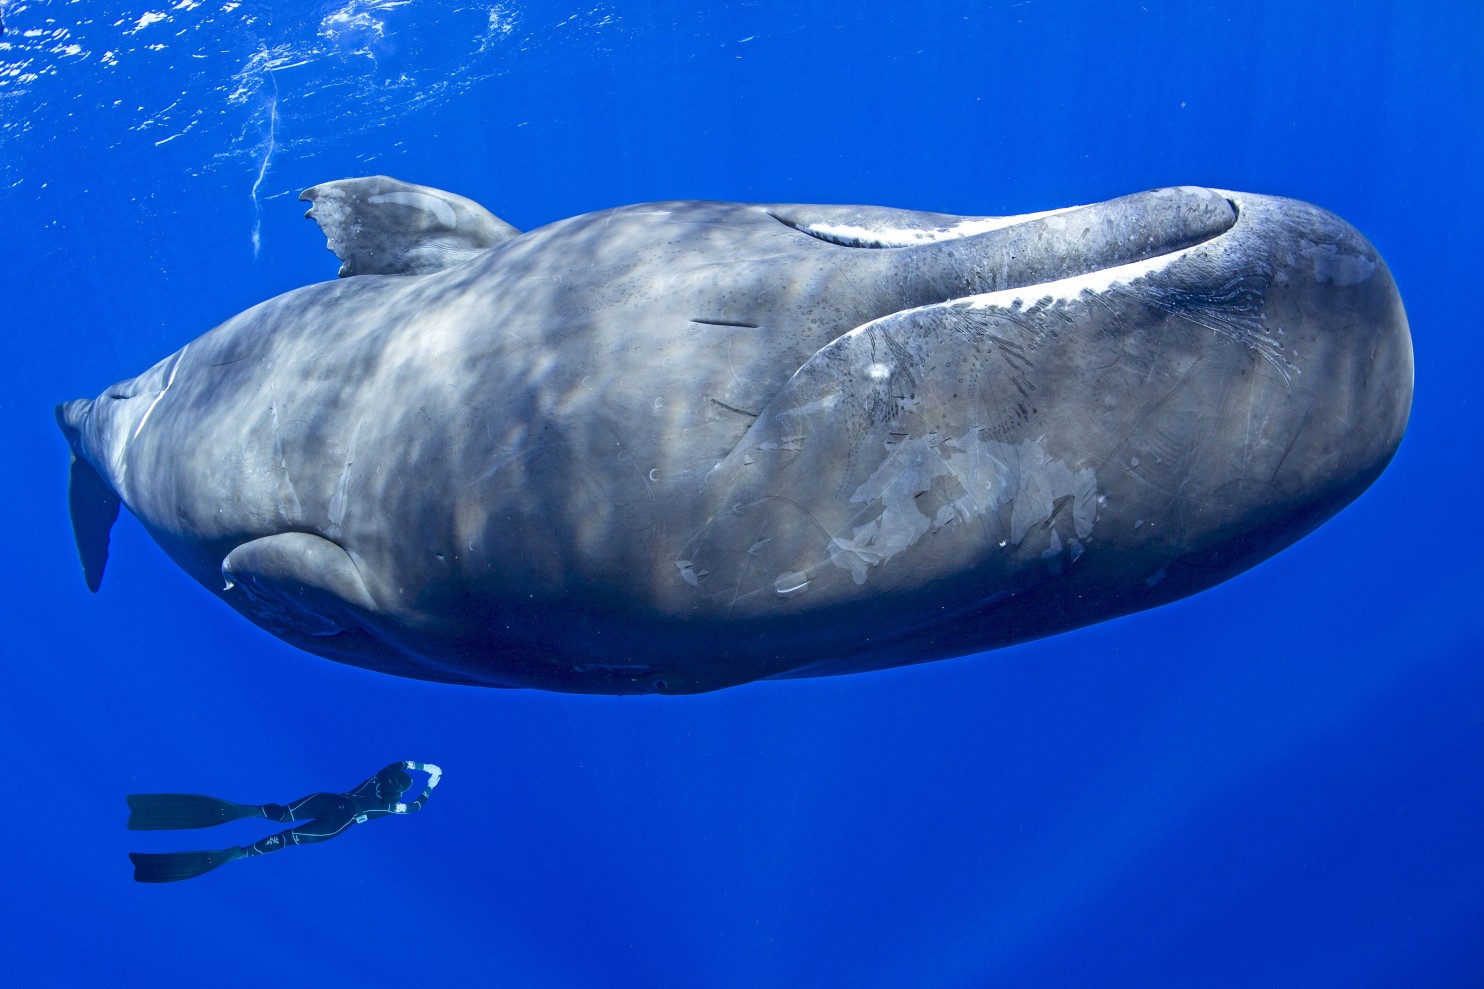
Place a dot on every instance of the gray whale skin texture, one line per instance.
(685, 445)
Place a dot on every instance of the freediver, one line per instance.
(323, 816)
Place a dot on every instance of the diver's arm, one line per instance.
(434, 775)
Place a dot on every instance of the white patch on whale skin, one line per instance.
(1332, 266)
(290, 510)
(989, 474)
(846, 233)
(692, 576)
(174, 368)
(336, 509)
(417, 200)
(791, 584)
(117, 440)
(1072, 288)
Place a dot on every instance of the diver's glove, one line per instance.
(434, 774)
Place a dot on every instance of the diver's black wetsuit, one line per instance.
(327, 814)
(320, 816)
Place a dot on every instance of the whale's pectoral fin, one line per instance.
(298, 582)
(94, 508)
(381, 226)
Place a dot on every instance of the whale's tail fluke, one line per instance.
(92, 503)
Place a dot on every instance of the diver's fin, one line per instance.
(94, 508)
(299, 582)
(381, 226)
(174, 866)
(174, 811)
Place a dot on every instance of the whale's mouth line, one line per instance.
(1096, 281)
(851, 235)
(860, 236)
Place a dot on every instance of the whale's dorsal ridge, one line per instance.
(378, 225)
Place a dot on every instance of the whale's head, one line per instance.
(1065, 416)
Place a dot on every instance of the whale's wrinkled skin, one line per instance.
(679, 446)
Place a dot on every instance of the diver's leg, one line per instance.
(317, 817)
(303, 833)
(305, 808)
(272, 843)
(328, 813)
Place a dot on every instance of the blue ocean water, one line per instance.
(1275, 783)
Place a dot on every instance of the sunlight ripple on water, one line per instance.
(240, 83)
